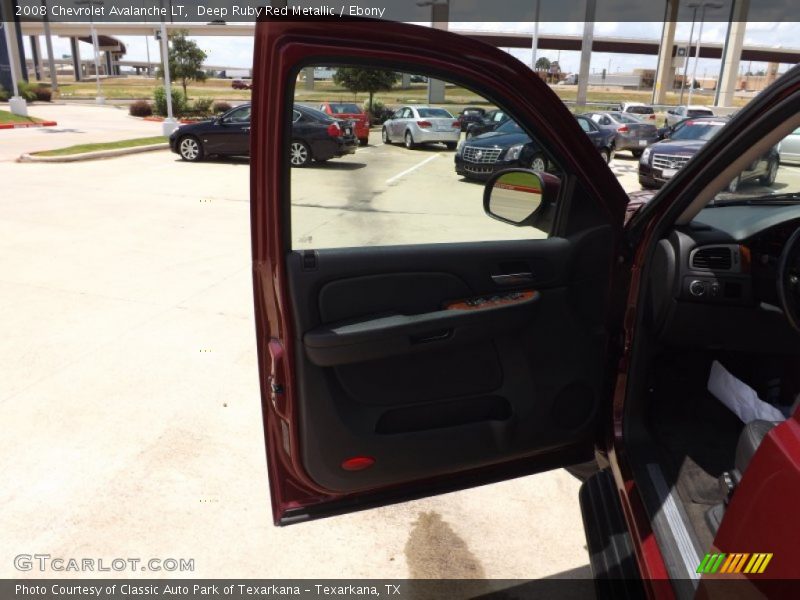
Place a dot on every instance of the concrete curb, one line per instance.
(92, 155)
(27, 125)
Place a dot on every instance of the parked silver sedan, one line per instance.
(415, 125)
(631, 132)
(789, 148)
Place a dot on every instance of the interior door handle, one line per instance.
(512, 278)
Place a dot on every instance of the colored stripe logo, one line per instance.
(735, 563)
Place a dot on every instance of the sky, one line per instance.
(237, 52)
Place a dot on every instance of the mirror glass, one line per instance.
(515, 196)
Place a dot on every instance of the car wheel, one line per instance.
(190, 149)
(385, 136)
(771, 175)
(299, 154)
(734, 185)
(451, 145)
(410, 141)
(539, 163)
(363, 141)
(637, 153)
(606, 155)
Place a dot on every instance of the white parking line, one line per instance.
(414, 168)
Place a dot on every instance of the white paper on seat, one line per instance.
(740, 397)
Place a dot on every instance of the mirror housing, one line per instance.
(520, 196)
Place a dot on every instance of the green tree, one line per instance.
(365, 80)
(542, 64)
(185, 60)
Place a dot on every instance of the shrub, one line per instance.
(178, 101)
(3, 94)
(141, 108)
(380, 113)
(43, 94)
(221, 107)
(27, 91)
(202, 106)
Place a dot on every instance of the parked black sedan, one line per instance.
(509, 146)
(315, 135)
(490, 121)
(659, 162)
(470, 115)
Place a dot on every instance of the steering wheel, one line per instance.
(789, 280)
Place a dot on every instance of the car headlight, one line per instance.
(514, 152)
(645, 155)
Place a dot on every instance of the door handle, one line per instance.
(512, 278)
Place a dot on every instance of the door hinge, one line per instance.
(276, 381)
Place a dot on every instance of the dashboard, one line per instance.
(713, 281)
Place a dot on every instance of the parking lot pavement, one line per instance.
(77, 124)
(130, 392)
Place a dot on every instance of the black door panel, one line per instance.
(491, 384)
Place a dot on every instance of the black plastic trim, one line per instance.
(610, 548)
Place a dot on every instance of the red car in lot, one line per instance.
(352, 112)
(395, 372)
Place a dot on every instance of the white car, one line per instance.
(415, 125)
(639, 109)
(789, 148)
(679, 113)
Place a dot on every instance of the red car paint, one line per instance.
(361, 119)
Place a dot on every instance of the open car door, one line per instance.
(396, 369)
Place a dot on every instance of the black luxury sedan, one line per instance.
(509, 146)
(490, 121)
(315, 135)
(659, 162)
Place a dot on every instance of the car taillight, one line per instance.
(652, 117)
(623, 129)
(424, 123)
(457, 124)
(334, 130)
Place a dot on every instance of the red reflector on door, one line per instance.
(358, 463)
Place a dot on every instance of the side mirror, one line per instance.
(515, 195)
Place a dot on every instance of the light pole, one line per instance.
(703, 7)
(535, 36)
(170, 124)
(100, 99)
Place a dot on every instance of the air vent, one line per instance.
(713, 258)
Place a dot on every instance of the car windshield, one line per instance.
(510, 127)
(699, 112)
(345, 108)
(641, 110)
(697, 130)
(433, 113)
